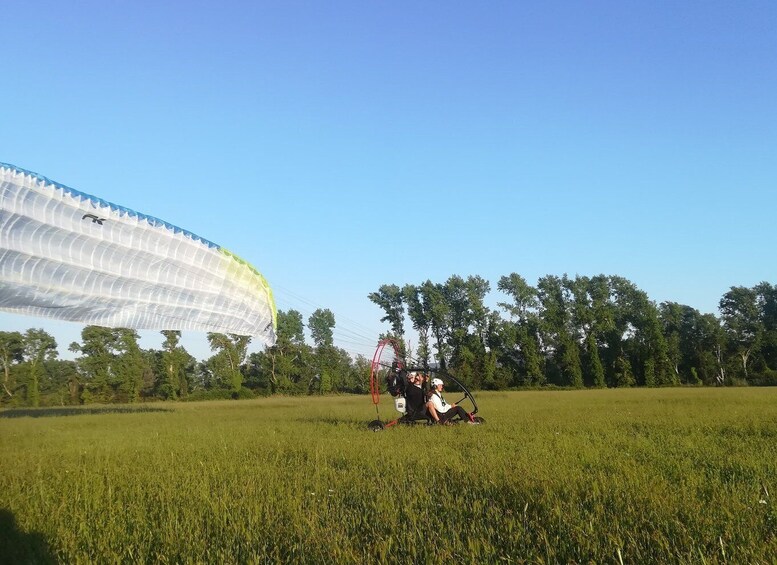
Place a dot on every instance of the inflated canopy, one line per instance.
(71, 256)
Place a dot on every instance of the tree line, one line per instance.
(111, 367)
(599, 331)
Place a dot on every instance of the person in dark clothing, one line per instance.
(414, 396)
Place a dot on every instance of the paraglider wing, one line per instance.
(71, 256)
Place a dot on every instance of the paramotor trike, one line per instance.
(389, 373)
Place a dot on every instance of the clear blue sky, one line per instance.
(339, 146)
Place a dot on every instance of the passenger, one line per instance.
(414, 395)
(440, 411)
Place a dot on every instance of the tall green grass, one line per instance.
(668, 475)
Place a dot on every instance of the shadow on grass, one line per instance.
(17, 546)
(75, 411)
(332, 421)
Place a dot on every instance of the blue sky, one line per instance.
(339, 146)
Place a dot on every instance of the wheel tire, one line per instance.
(376, 426)
(478, 420)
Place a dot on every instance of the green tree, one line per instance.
(11, 353)
(390, 299)
(624, 376)
(594, 319)
(230, 354)
(657, 356)
(418, 312)
(524, 297)
(594, 362)
(129, 366)
(650, 372)
(321, 324)
(690, 342)
(570, 365)
(282, 364)
(39, 346)
(671, 316)
(468, 324)
(97, 354)
(61, 385)
(528, 337)
(345, 376)
(359, 375)
(766, 298)
(716, 340)
(558, 329)
(523, 347)
(437, 312)
(637, 334)
(741, 320)
(175, 360)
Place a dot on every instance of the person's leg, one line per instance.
(453, 412)
(432, 412)
(446, 417)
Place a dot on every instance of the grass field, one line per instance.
(660, 475)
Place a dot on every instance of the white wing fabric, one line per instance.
(68, 255)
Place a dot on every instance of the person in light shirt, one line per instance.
(441, 411)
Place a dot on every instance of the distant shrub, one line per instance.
(734, 381)
(220, 394)
(243, 394)
(766, 377)
(212, 394)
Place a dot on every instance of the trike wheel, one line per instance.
(376, 426)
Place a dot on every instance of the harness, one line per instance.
(442, 399)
